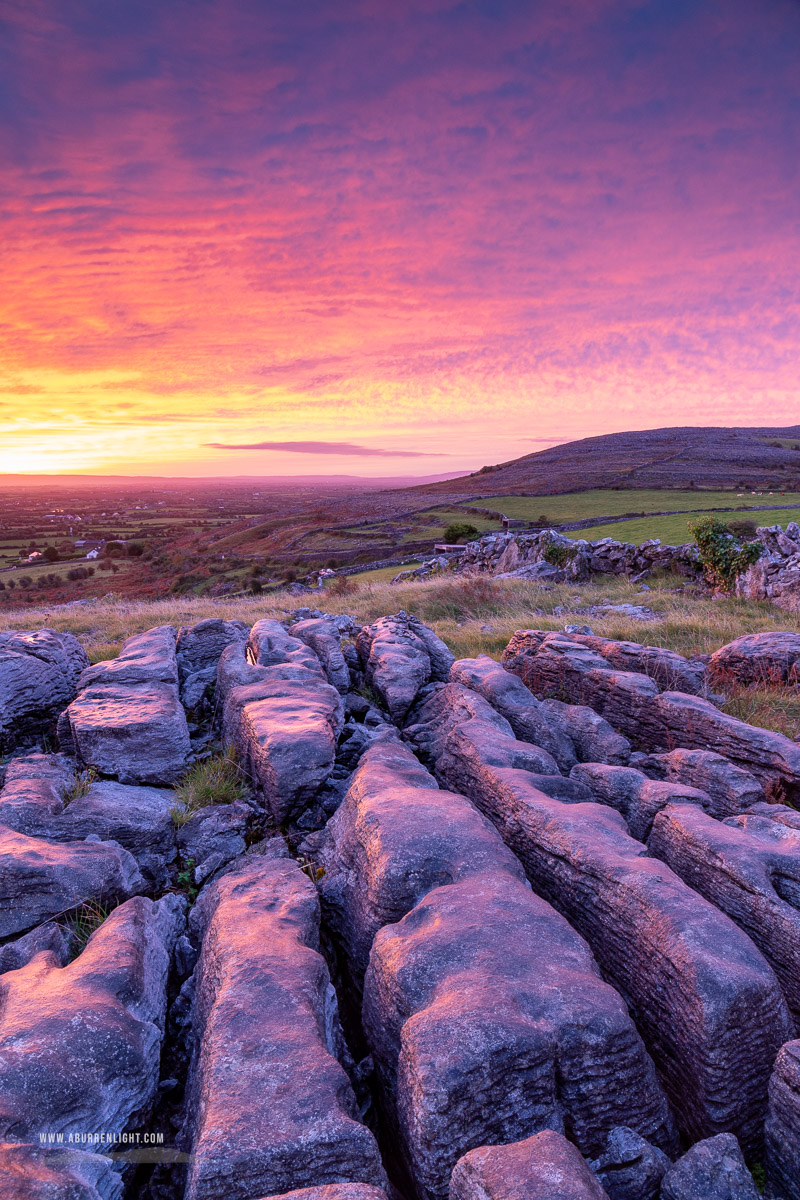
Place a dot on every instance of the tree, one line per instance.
(50, 554)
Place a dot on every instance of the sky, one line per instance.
(352, 236)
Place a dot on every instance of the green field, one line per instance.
(579, 506)
(673, 531)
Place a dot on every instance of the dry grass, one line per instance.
(473, 614)
(83, 923)
(80, 787)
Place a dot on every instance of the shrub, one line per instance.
(25, 581)
(744, 530)
(135, 550)
(256, 587)
(460, 531)
(340, 585)
(50, 554)
(113, 550)
(558, 555)
(723, 556)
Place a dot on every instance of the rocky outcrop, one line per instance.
(554, 664)
(395, 837)
(524, 713)
(775, 575)
(710, 1170)
(629, 1168)
(749, 867)
(270, 1109)
(33, 1172)
(80, 1044)
(631, 793)
(767, 659)
(485, 977)
(545, 553)
(730, 788)
(707, 1003)
(127, 721)
(51, 937)
(36, 800)
(593, 738)
(543, 1167)
(39, 675)
(269, 644)
(399, 655)
(41, 879)
(782, 1127)
(672, 672)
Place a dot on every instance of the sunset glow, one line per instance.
(449, 232)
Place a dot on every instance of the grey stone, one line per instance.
(41, 879)
(749, 867)
(136, 733)
(731, 789)
(269, 1107)
(399, 655)
(672, 672)
(35, 801)
(270, 644)
(145, 658)
(593, 738)
(629, 1168)
(710, 1170)
(49, 937)
(758, 658)
(325, 640)
(782, 1126)
(631, 793)
(488, 1021)
(198, 650)
(39, 674)
(217, 832)
(335, 1191)
(80, 1044)
(543, 1167)
(33, 1172)
(394, 839)
(707, 1003)
(513, 700)
(552, 664)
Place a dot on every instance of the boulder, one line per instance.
(782, 1126)
(325, 640)
(285, 732)
(633, 794)
(710, 1170)
(672, 672)
(399, 655)
(145, 658)
(39, 675)
(34, 1172)
(395, 837)
(749, 867)
(488, 1021)
(629, 1168)
(213, 836)
(41, 879)
(270, 644)
(80, 1045)
(593, 738)
(136, 733)
(524, 713)
(36, 800)
(269, 1108)
(335, 1191)
(767, 659)
(707, 1003)
(543, 1167)
(731, 789)
(49, 937)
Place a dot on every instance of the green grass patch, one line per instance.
(215, 780)
(382, 574)
(601, 502)
(674, 530)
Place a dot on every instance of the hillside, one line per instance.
(683, 457)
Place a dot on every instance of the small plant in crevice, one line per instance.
(218, 779)
(558, 555)
(185, 879)
(309, 868)
(81, 785)
(83, 922)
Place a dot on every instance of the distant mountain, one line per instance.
(684, 457)
(263, 482)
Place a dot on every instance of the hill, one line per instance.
(682, 457)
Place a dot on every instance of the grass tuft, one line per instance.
(80, 787)
(216, 780)
(86, 919)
